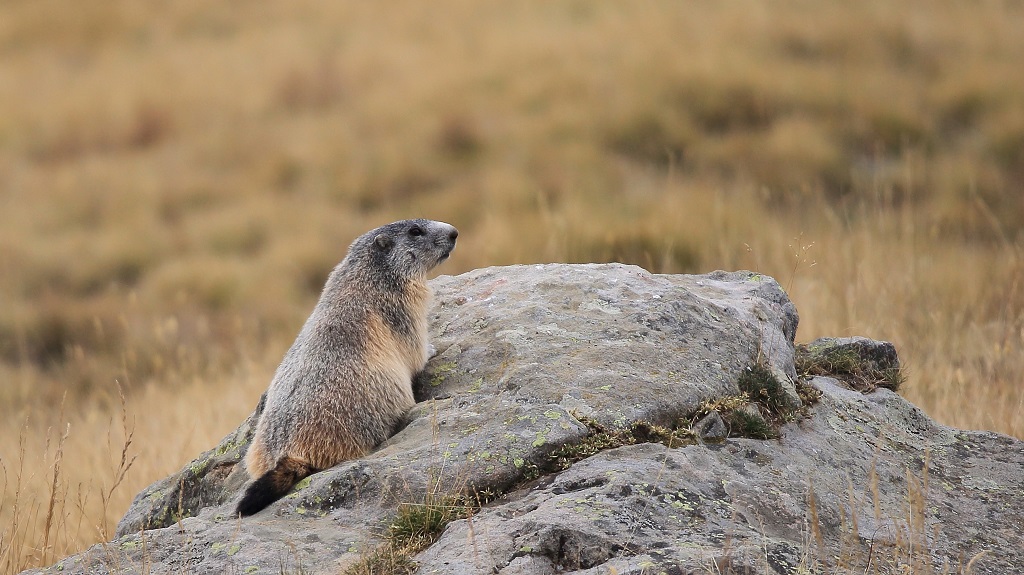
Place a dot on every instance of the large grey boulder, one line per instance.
(536, 362)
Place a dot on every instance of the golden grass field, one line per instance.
(177, 178)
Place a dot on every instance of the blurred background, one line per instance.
(177, 178)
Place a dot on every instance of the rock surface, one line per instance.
(530, 359)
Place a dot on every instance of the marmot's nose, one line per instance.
(453, 234)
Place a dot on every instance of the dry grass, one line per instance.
(898, 543)
(177, 179)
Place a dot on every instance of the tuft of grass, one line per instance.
(809, 395)
(762, 405)
(414, 527)
(761, 385)
(385, 560)
(848, 366)
(745, 424)
(723, 405)
(419, 524)
(51, 504)
(767, 405)
(671, 437)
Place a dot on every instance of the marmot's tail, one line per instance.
(273, 484)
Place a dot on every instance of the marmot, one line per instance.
(346, 382)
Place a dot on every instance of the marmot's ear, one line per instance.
(384, 242)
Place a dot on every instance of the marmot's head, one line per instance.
(407, 249)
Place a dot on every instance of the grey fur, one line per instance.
(345, 383)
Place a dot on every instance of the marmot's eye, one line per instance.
(415, 231)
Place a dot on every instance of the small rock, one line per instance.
(711, 428)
